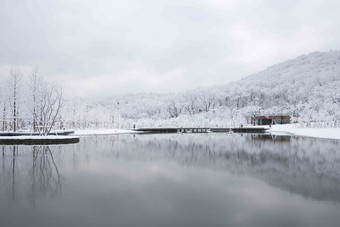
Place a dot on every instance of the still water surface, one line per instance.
(172, 180)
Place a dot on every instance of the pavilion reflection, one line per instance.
(270, 137)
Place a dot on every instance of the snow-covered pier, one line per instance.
(203, 130)
(241, 129)
(173, 130)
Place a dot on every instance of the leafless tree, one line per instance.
(34, 87)
(191, 104)
(174, 109)
(14, 85)
(3, 103)
(207, 101)
(50, 102)
(335, 96)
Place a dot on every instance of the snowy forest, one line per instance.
(29, 102)
(307, 88)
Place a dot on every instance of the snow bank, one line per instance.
(327, 133)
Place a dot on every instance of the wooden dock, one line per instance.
(203, 130)
(173, 130)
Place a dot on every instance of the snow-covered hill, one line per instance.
(304, 79)
(306, 87)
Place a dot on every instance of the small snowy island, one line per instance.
(38, 140)
(34, 138)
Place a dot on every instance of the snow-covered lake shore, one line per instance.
(325, 133)
(293, 130)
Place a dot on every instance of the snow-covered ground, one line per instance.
(327, 133)
(84, 132)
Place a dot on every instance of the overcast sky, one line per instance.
(106, 47)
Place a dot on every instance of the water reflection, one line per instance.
(308, 167)
(155, 180)
(305, 166)
(270, 137)
(32, 177)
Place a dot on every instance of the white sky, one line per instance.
(107, 47)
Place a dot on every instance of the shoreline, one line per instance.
(38, 140)
(292, 130)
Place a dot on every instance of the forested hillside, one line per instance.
(306, 87)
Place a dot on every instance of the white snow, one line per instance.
(37, 137)
(291, 129)
(83, 132)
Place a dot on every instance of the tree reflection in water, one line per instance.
(45, 177)
(37, 177)
(303, 166)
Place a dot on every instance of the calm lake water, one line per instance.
(172, 180)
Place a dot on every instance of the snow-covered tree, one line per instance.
(14, 89)
(34, 87)
(49, 105)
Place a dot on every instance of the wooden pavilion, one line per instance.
(270, 120)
